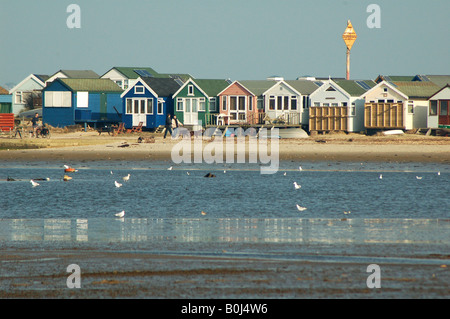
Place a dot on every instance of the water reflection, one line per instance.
(242, 230)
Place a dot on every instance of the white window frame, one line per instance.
(160, 103)
(180, 102)
(137, 89)
(18, 97)
(212, 104)
(201, 104)
(82, 99)
(190, 90)
(293, 98)
(58, 99)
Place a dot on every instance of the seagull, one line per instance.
(188, 173)
(117, 184)
(126, 178)
(296, 185)
(439, 173)
(300, 208)
(224, 171)
(203, 213)
(121, 214)
(284, 174)
(111, 172)
(381, 176)
(170, 168)
(418, 177)
(300, 168)
(33, 183)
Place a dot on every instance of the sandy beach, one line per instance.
(90, 146)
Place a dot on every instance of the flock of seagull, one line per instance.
(127, 178)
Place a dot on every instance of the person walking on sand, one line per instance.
(176, 124)
(168, 125)
(35, 123)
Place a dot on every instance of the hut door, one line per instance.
(191, 112)
(444, 112)
(103, 108)
(139, 112)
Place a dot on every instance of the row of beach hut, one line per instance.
(141, 96)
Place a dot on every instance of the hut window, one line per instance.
(280, 103)
(250, 104)
(160, 107)
(212, 104)
(242, 103)
(259, 103)
(286, 102)
(82, 99)
(129, 106)
(272, 103)
(316, 103)
(139, 89)
(233, 103)
(190, 90)
(58, 99)
(19, 99)
(224, 103)
(411, 108)
(180, 105)
(433, 107)
(136, 107)
(202, 104)
(330, 89)
(444, 107)
(293, 102)
(150, 106)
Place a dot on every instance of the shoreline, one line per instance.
(89, 146)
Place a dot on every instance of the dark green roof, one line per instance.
(416, 89)
(353, 88)
(91, 85)
(439, 80)
(211, 87)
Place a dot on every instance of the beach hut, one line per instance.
(148, 101)
(337, 106)
(28, 91)
(439, 109)
(196, 101)
(398, 105)
(288, 101)
(81, 101)
(242, 102)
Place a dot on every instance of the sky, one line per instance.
(221, 39)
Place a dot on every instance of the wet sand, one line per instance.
(112, 273)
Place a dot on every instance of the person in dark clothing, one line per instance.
(168, 125)
(35, 123)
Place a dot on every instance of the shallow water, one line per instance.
(241, 205)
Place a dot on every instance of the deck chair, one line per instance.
(119, 130)
(137, 129)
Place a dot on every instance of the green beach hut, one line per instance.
(196, 101)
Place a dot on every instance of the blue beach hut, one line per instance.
(148, 101)
(81, 101)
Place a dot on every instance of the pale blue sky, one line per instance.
(237, 39)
